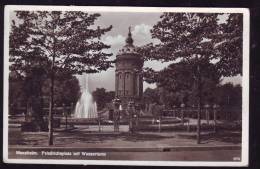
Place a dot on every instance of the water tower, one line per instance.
(129, 80)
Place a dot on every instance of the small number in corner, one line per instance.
(236, 159)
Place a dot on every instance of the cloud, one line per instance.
(157, 65)
(235, 80)
(114, 40)
(147, 85)
(222, 18)
(142, 29)
(142, 35)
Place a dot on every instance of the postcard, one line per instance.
(149, 86)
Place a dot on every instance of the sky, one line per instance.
(141, 23)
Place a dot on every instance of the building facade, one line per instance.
(129, 80)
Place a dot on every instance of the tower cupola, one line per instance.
(129, 40)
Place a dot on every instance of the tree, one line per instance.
(228, 46)
(151, 96)
(179, 83)
(66, 90)
(33, 83)
(101, 96)
(229, 95)
(27, 92)
(197, 39)
(61, 42)
(16, 95)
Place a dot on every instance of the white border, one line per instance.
(245, 84)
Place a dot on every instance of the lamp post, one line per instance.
(174, 110)
(99, 122)
(71, 111)
(207, 112)
(137, 114)
(116, 114)
(71, 107)
(182, 113)
(215, 109)
(65, 114)
(193, 111)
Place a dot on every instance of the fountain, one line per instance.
(86, 107)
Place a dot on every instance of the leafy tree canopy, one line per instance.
(70, 37)
(67, 90)
(180, 79)
(228, 95)
(151, 96)
(229, 46)
(198, 36)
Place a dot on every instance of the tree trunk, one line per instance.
(51, 106)
(199, 106)
(52, 97)
(215, 120)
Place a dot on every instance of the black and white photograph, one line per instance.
(126, 85)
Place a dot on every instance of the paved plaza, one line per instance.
(123, 145)
(89, 136)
